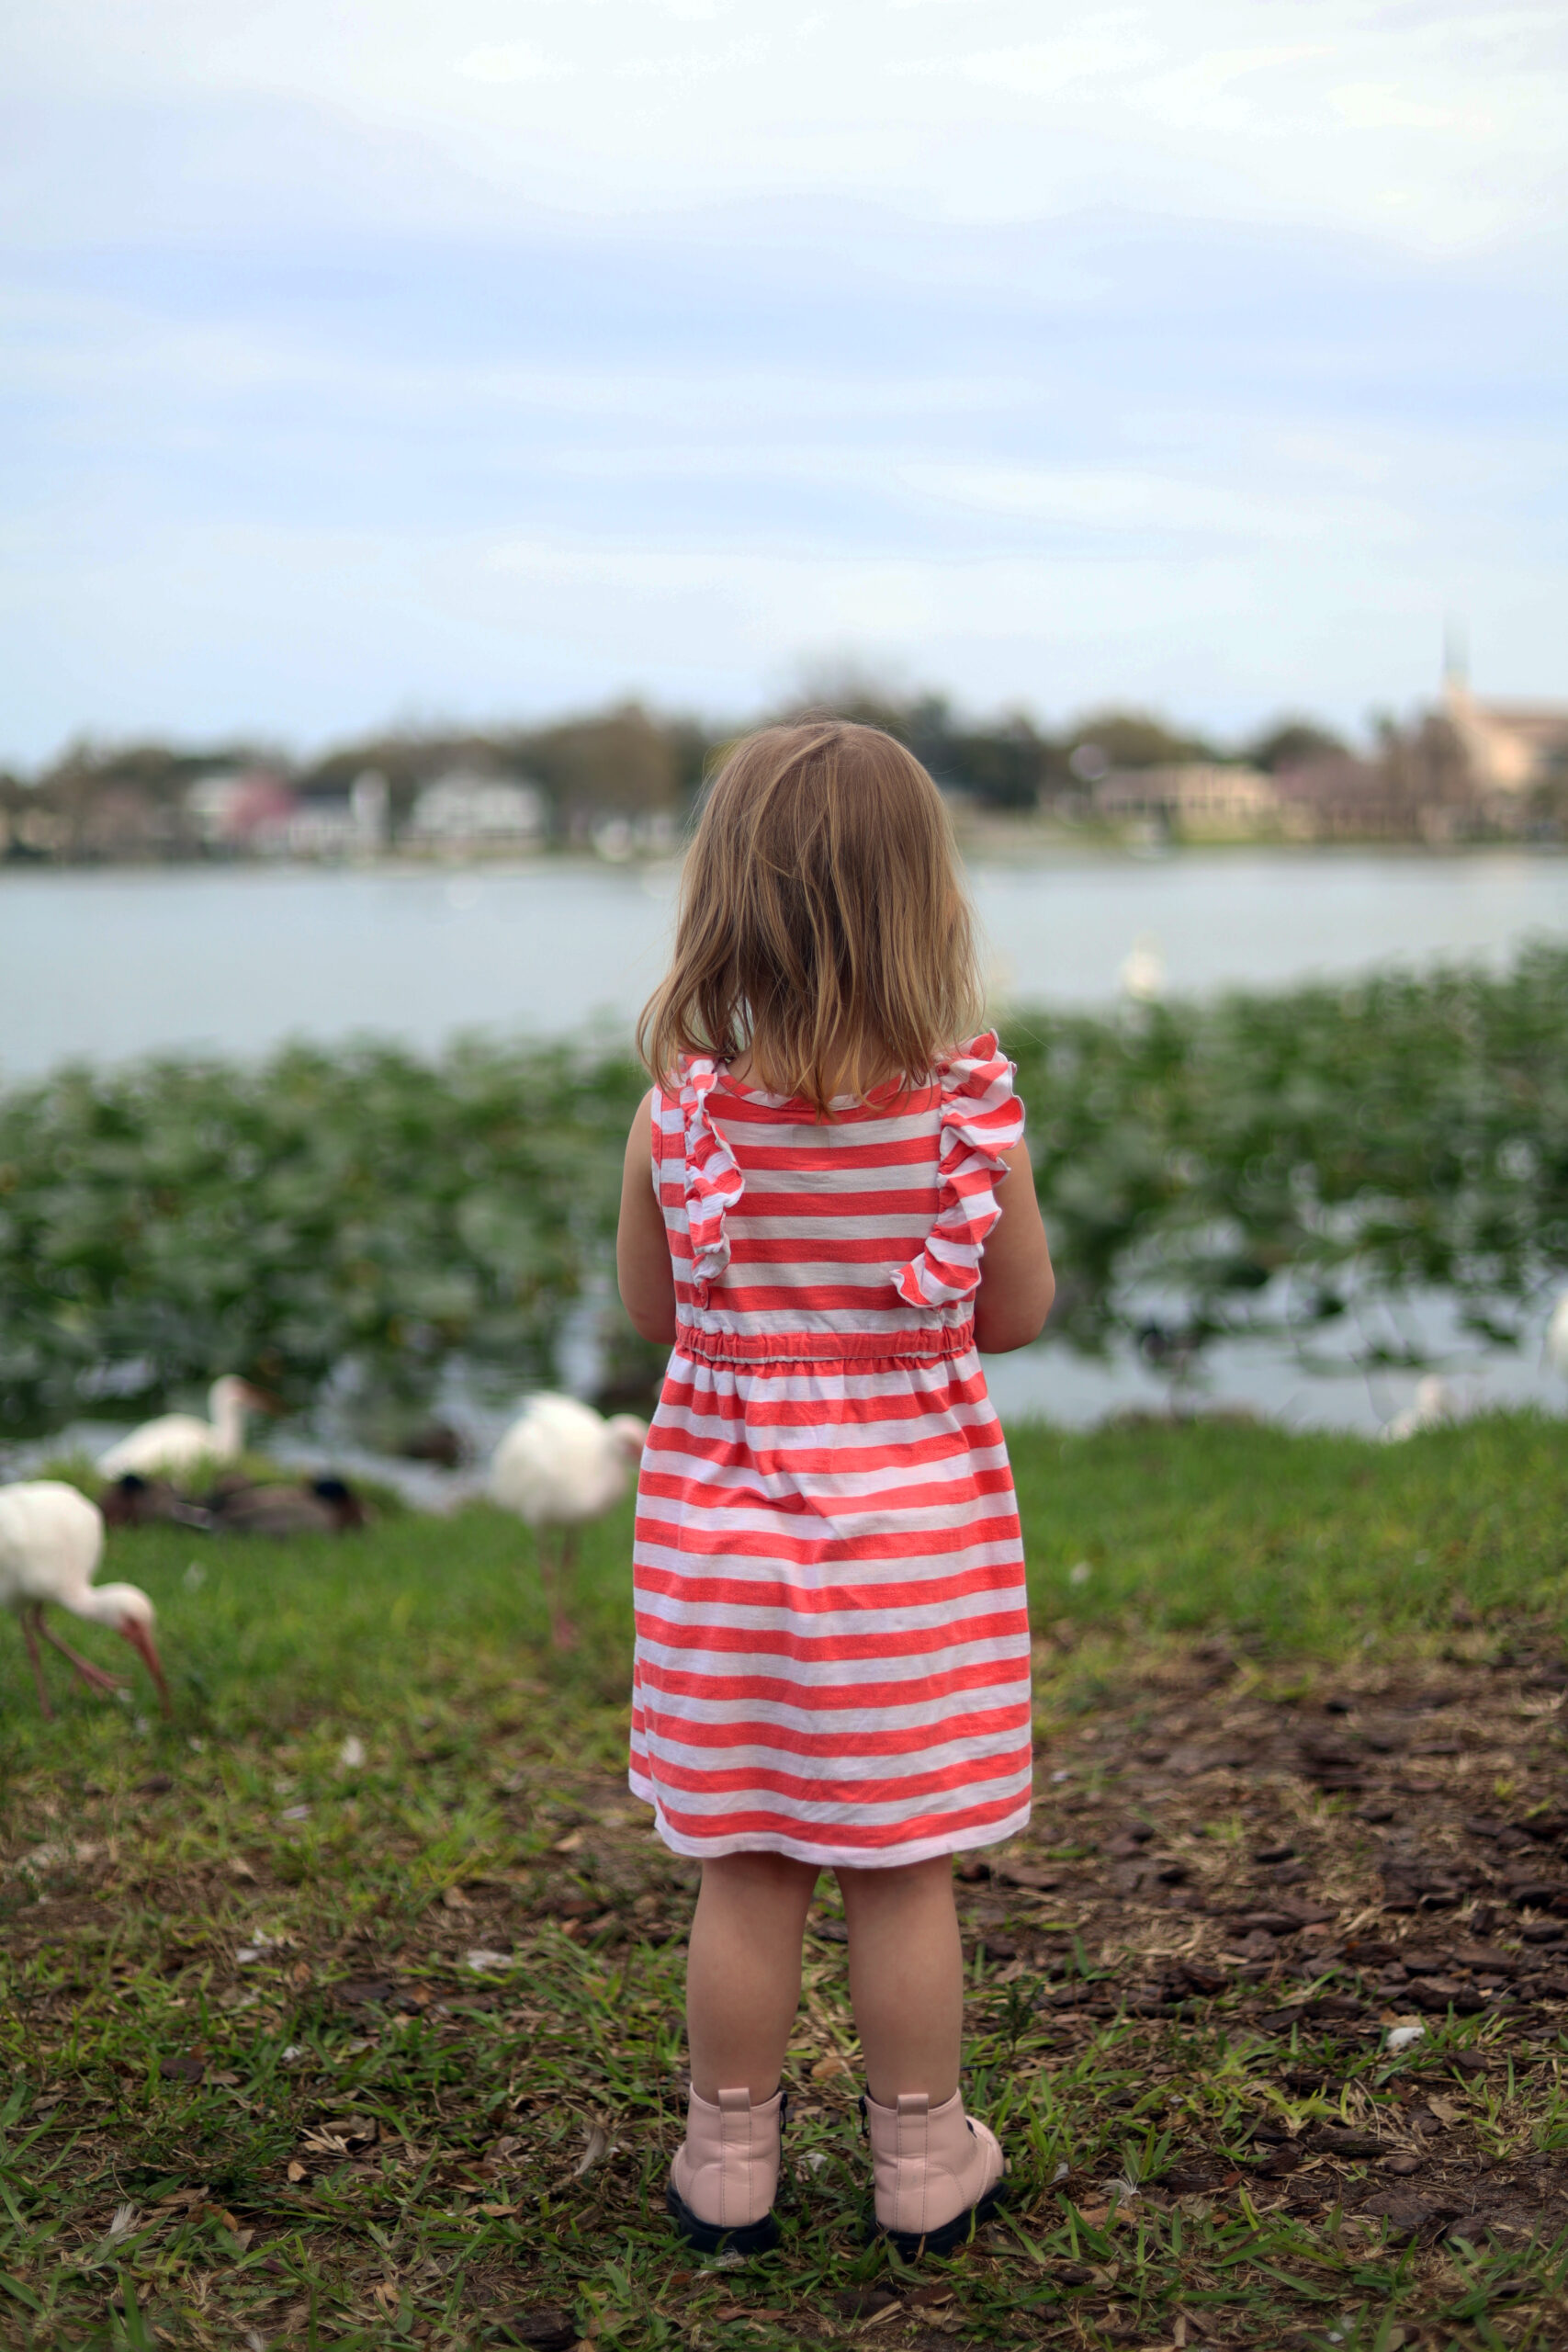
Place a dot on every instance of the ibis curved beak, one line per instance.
(142, 1641)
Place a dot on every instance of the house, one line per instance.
(338, 824)
(1511, 746)
(236, 808)
(1194, 796)
(1335, 796)
(617, 839)
(464, 811)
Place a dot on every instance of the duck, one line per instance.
(316, 1507)
(131, 1500)
(436, 1442)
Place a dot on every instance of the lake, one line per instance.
(109, 963)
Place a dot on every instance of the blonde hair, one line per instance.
(823, 924)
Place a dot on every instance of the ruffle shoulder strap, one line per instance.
(714, 1181)
(981, 1119)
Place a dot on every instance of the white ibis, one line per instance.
(1436, 1401)
(1142, 969)
(51, 1539)
(559, 1465)
(178, 1442)
(1556, 1347)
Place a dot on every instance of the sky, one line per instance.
(423, 364)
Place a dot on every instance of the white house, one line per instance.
(463, 811)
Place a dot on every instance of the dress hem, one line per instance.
(826, 1857)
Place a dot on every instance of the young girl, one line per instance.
(832, 1654)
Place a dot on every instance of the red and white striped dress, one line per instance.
(832, 1649)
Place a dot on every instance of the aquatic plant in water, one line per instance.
(1263, 1162)
(1253, 1164)
(358, 1207)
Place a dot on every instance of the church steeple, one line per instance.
(1458, 701)
(1456, 656)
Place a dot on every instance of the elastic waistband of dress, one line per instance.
(936, 1344)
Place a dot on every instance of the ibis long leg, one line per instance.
(29, 1635)
(550, 1575)
(92, 1676)
(563, 1630)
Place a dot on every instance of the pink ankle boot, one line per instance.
(724, 2178)
(937, 2173)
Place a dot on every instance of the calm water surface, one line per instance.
(108, 965)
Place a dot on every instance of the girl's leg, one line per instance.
(743, 1972)
(937, 2172)
(905, 1977)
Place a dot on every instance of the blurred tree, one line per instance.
(1431, 788)
(1548, 797)
(621, 763)
(1291, 742)
(1133, 739)
(1002, 765)
(112, 798)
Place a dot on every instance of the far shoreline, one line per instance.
(980, 842)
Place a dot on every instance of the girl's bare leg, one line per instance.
(905, 1977)
(743, 1971)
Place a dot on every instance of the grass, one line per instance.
(354, 2135)
(1302, 1543)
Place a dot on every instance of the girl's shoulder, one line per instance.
(975, 1079)
(976, 1067)
(692, 1076)
(980, 1053)
(978, 1095)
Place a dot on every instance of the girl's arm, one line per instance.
(1016, 1282)
(642, 1249)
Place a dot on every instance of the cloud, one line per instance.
(1371, 105)
(1046, 68)
(1153, 508)
(514, 61)
(498, 357)
(944, 112)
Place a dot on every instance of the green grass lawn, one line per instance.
(354, 2135)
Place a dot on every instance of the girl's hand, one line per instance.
(1017, 1285)
(643, 1270)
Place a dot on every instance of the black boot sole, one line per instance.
(707, 2237)
(909, 2245)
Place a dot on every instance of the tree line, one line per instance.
(628, 760)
